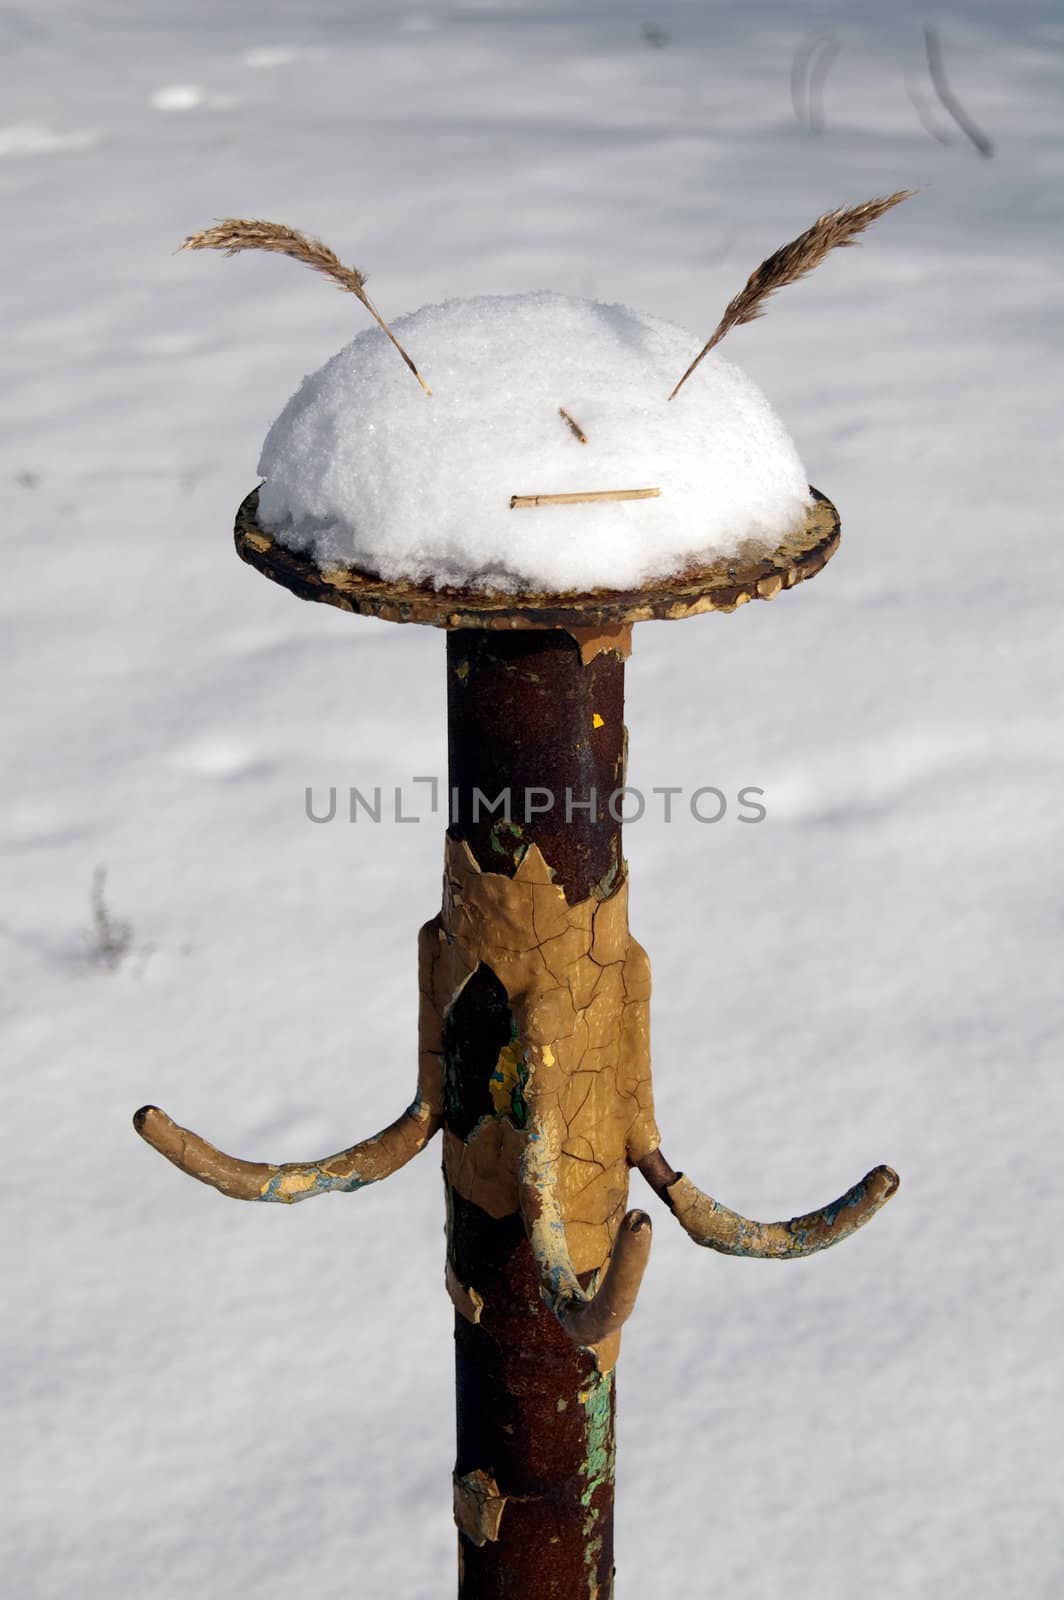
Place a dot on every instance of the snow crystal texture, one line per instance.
(363, 468)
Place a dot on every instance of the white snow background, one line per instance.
(215, 1399)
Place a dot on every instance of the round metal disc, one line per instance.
(720, 586)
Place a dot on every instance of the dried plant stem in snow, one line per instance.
(234, 234)
(936, 68)
(520, 502)
(834, 230)
(573, 425)
(111, 936)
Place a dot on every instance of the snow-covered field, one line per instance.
(210, 1399)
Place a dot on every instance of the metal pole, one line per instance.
(533, 730)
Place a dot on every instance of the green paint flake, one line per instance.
(498, 829)
(599, 1465)
(597, 1402)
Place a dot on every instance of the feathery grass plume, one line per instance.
(234, 234)
(833, 230)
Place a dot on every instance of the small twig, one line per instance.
(574, 425)
(949, 100)
(519, 502)
(234, 234)
(112, 937)
(834, 230)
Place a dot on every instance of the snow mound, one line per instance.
(363, 468)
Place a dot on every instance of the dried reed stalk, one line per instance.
(519, 502)
(936, 68)
(573, 424)
(834, 230)
(234, 234)
(111, 936)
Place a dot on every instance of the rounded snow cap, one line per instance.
(533, 395)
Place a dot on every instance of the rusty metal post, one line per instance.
(536, 752)
(534, 1053)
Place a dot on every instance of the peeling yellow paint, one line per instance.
(467, 1301)
(478, 1506)
(597, 721)
(578, 987)
(597, 640)
(505, 1079)
(290, 1183)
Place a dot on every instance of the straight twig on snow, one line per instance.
(111, 937)
(834, 230)
(520, 502)
(574, 426)
(234, 234)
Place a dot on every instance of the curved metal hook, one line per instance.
(711, 1224)
(354, 1168)
(587, 1318)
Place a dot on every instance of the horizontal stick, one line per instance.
(519, 501)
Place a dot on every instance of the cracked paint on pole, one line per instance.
(514, 947)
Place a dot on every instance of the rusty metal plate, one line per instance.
(721, 586)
